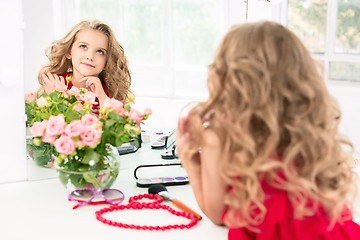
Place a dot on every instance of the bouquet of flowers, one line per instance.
(64, 126)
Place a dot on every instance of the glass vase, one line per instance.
(94, 179)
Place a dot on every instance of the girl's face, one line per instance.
(88, 53)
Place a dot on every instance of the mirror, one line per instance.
(168, 44)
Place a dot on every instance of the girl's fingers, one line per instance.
(43, 79)
(83, 79)
(91, 86)
(54, 77)
(50, 76)
(88, 83)
(181, 141)
(183, 123)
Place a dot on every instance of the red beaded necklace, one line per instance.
(134, 204)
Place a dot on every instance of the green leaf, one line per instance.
(110, 123)
(90, 155)
(54, 96)
(43, 115)
(39, 153)
(114, 116)
(63, 177)
(118, 142)
(91, 178)
(42, 160)
(72, 100)
(71, 115)
(109, 137)
(62, 107)
(78, 180)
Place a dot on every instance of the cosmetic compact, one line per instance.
(174, 174)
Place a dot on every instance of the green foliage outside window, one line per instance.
(348, 27)
(308, 19)
(198, 27)
(144, 31)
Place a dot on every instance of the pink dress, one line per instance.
(279, 223)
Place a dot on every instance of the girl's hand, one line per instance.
(48, 80)
(182, 135)
(189, 159)
(94, 84)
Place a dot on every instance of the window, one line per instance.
(333, 41)
(169, 43)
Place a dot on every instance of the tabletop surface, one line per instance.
(40, 209)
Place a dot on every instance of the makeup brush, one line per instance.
(162, 191)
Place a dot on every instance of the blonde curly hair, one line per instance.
(267, 98)
(116, 74)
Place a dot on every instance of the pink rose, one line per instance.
(88, 97)
(136, 116)
(31, 97)
(89, 119)
(74, 128)
(147, 112)
(37, 129)
(74, 91)
(42, 102)
(48, 138)
(78, 107)
(90, 136)
(64, 145)
(60, 87)
(113, 104)
(55, 125)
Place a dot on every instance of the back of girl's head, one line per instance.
(116, 75)
(265, 80)
(267, 98)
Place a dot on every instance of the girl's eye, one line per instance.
(83, 46)
(100, 52)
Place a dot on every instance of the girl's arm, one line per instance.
(203, 172)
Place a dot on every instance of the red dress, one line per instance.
(279, 223)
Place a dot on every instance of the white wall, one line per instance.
(12, 127)
(348, 96)
(38, 35)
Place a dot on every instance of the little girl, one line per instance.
(92, 57)
(263, 154)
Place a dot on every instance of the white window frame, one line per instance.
(329, 54)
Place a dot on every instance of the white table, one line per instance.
(40, 210)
